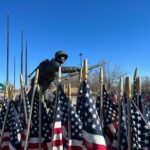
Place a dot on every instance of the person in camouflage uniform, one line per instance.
(48, 70)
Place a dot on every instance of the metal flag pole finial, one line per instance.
(69, 91)
(36, 76)
(101, 77)
(11, 92)
(85, 75)
(136, 73)
(128, 88)
(59, 74)
(121, 87)
(81, 75)
(80, 59)
(6, 92)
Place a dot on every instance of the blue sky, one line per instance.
(117, 31)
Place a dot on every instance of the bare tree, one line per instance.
(94, 81)
(112, 77)
(73, 80)
(145, 84)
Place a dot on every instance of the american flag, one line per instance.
(110, 114)
(123, 125)
(67, 125)
(92, 132)
(5, 105)
(146, 110)
(98, 100)
(4, 108)
(140, 130)
(75, 133)
(33, 139)
(51, 110)
(13, 130)
(57, 139)
(20, 107)
(46, 130)
(55, 117)
(135, 96)
(79, 102)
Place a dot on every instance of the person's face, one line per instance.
(61, 59)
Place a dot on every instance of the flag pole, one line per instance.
(56, 101)
(7, 62)
(23, 97)
(119, 110)
(101, 79)
(31, 109)
(80, 79)
(6, 114)
(128, 95)
(26, 65)
(69, 112)
(40, 116)
(7, 80)
(138, 83)
(3, 127)
(21, 52)
(14, 73)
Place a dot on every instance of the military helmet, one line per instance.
(60, 53)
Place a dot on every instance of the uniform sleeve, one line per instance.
(70, 69)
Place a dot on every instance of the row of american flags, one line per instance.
(64, 126)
